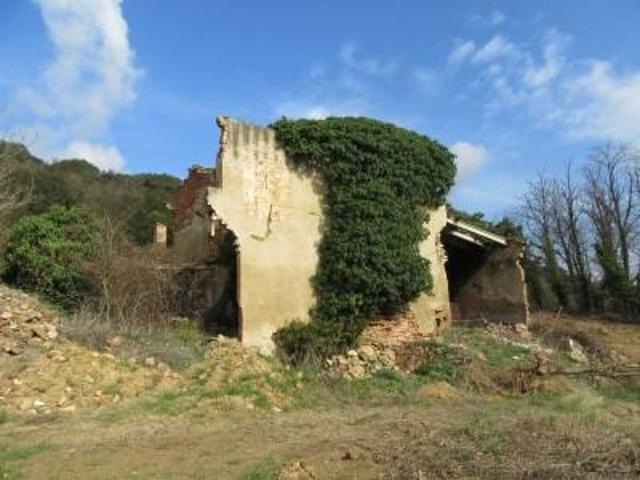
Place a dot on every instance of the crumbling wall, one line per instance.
(192, 217)
(431, 311)
(496, 291)
(275, 213)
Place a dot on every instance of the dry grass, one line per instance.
(178, 343)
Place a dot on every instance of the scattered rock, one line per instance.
(576, 352)
(296, 471)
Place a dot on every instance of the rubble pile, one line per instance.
(241, 377)
(69, 377)
(362, 362)
(384, 345)
(24, 324)
(42, 373)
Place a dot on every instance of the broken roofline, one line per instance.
(469, 232)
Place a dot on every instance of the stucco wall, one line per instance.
(275, 214)
(431, 311)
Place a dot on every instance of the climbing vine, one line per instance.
(378, 182)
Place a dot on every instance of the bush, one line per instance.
(378, 183)
(45, 253)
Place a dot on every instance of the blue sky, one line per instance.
(512, 87)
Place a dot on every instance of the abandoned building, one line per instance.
(246, 237)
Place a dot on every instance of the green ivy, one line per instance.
(378, 182)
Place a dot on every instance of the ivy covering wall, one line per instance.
(378, 182)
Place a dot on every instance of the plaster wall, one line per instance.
(431, 311)
(275, 213)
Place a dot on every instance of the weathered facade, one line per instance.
(274, 215)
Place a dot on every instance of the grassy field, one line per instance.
(450, 420)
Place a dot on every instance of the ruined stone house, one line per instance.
(246, 236)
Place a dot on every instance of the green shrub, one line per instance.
(443, 365)
(378, 182)
(45, 253)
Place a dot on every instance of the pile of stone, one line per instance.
(41, 373)
(24, 323)
(362, 362)
(69, 377)
(383, 343)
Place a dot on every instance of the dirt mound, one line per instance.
(40, 373)
(240, 376)
(68, 377)
(25, 324)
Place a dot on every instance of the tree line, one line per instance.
(582, 229)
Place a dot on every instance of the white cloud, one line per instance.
(491, 19)
(106, 158)
(583, 99)
(91, 77)
(370, 66)
(461, 51)
(469, 159)
(554, 45)
(494, 49)
(603, 103)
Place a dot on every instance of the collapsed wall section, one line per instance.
(485, 276)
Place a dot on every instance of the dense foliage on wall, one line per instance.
(134, 201)
(378, 181)
(45, 253)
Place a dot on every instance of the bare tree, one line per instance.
(537, 213)
(570, 232)
(612, 193)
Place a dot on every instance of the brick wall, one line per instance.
(192, 197)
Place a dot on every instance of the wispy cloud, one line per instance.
(491, 19)
(461, 51)
(369, 65)
(584, 98)
(497, 47)
(90, 78)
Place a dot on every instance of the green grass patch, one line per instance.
(442, 367)
(4, 418)
(383, 387)
(248, 389)
(625, 393)
(498, 354)
(267, 470)
(168, 403)
(16, 454)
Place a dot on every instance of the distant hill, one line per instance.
(136, 201)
